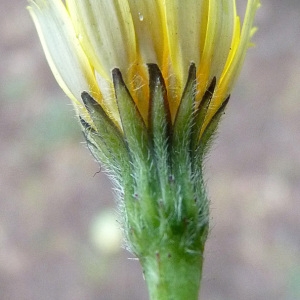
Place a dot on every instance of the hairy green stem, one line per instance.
(172, 275)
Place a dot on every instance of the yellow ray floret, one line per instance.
(84, 40)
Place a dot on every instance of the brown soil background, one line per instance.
(49, 195)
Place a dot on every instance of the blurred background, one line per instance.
(57, 224)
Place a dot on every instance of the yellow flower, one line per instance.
(154, 77)
(84, 40)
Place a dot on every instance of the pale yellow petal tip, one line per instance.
(252, 32)
(255, 5)
(31, 5)
(36, 4)
(258, 4)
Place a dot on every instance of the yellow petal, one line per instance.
(239, 45)
(226, 13)
(65, 56)
(236, 58)
(184, 34)
(209, 35)
(106, 31)
(109, 103)
(217, 35)
(150, 29)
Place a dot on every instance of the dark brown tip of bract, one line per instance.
(117, 77)
(192, 72)
(224, 104)
(212, 86)
(85, 124)
(88, 99)
(155, 76)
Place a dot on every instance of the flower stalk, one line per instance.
(172, 274)
(150, 81)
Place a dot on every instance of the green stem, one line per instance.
(172, 275)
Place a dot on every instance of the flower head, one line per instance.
(84, 40)
(150, 80)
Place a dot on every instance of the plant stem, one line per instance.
(172, 274)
